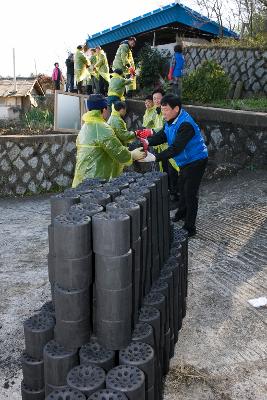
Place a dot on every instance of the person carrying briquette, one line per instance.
(118, 124)
(168, 166)
(187, 147)
(102, 69)
(176, 70)
(150, 113)
(117, 86)
(124, 60)
(81, 65)
(100, 154)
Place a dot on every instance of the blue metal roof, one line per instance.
(155, 19)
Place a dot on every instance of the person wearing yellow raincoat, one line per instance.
(102, 69)
(94, 73)
(81, 64)
(150, 113)
(100, 154)
(118, 124)
(116, 87)
(124, 60)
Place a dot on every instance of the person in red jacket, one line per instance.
(57, 76)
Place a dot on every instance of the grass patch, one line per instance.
(249, 104)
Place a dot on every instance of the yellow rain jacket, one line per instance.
(132, 85)
(123, 57)
(100, 154)
(80, 66)
(93, 61)
(117, 85)
(157, 124)
(101, 65)
(149, 118)
(123, 60)
(119, 127)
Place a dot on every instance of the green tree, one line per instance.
(153, 65)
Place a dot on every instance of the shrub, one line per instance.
(257, 42)
(208, 82)
(38, 119)
(153, 65)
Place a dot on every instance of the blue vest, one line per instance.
(195, 148)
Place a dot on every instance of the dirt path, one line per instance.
(222, 348)
(221, 352)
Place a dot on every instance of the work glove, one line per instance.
(145, 144)
(144, 133)
(138, 154)
(149, 158)
(132, 71)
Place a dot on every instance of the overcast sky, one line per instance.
(43, 31)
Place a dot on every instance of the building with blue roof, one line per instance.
(159, 27)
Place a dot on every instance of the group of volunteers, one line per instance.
(89, 69)
(172, 136)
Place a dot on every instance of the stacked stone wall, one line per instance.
(35, 164)
(246, 65)
(235, 139)
(43, 163)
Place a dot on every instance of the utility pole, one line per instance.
(35, 68)
(14, 71)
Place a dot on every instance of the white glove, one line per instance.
(138, 154)
(149, 158)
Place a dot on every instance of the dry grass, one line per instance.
(187, 375)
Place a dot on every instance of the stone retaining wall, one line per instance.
(235, 139)
(246, 65)
(35, 164)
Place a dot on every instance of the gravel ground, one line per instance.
(221, 352)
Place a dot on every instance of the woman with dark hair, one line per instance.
(57, 76)
(176, 70)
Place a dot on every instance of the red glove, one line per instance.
(132, 71)
(144, 133)
(145, 144)
(170, 73)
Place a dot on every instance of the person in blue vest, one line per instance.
(187, 147)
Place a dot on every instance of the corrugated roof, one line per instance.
(172, 13)
(24, 87)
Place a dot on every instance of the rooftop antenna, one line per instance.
(14, 71)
